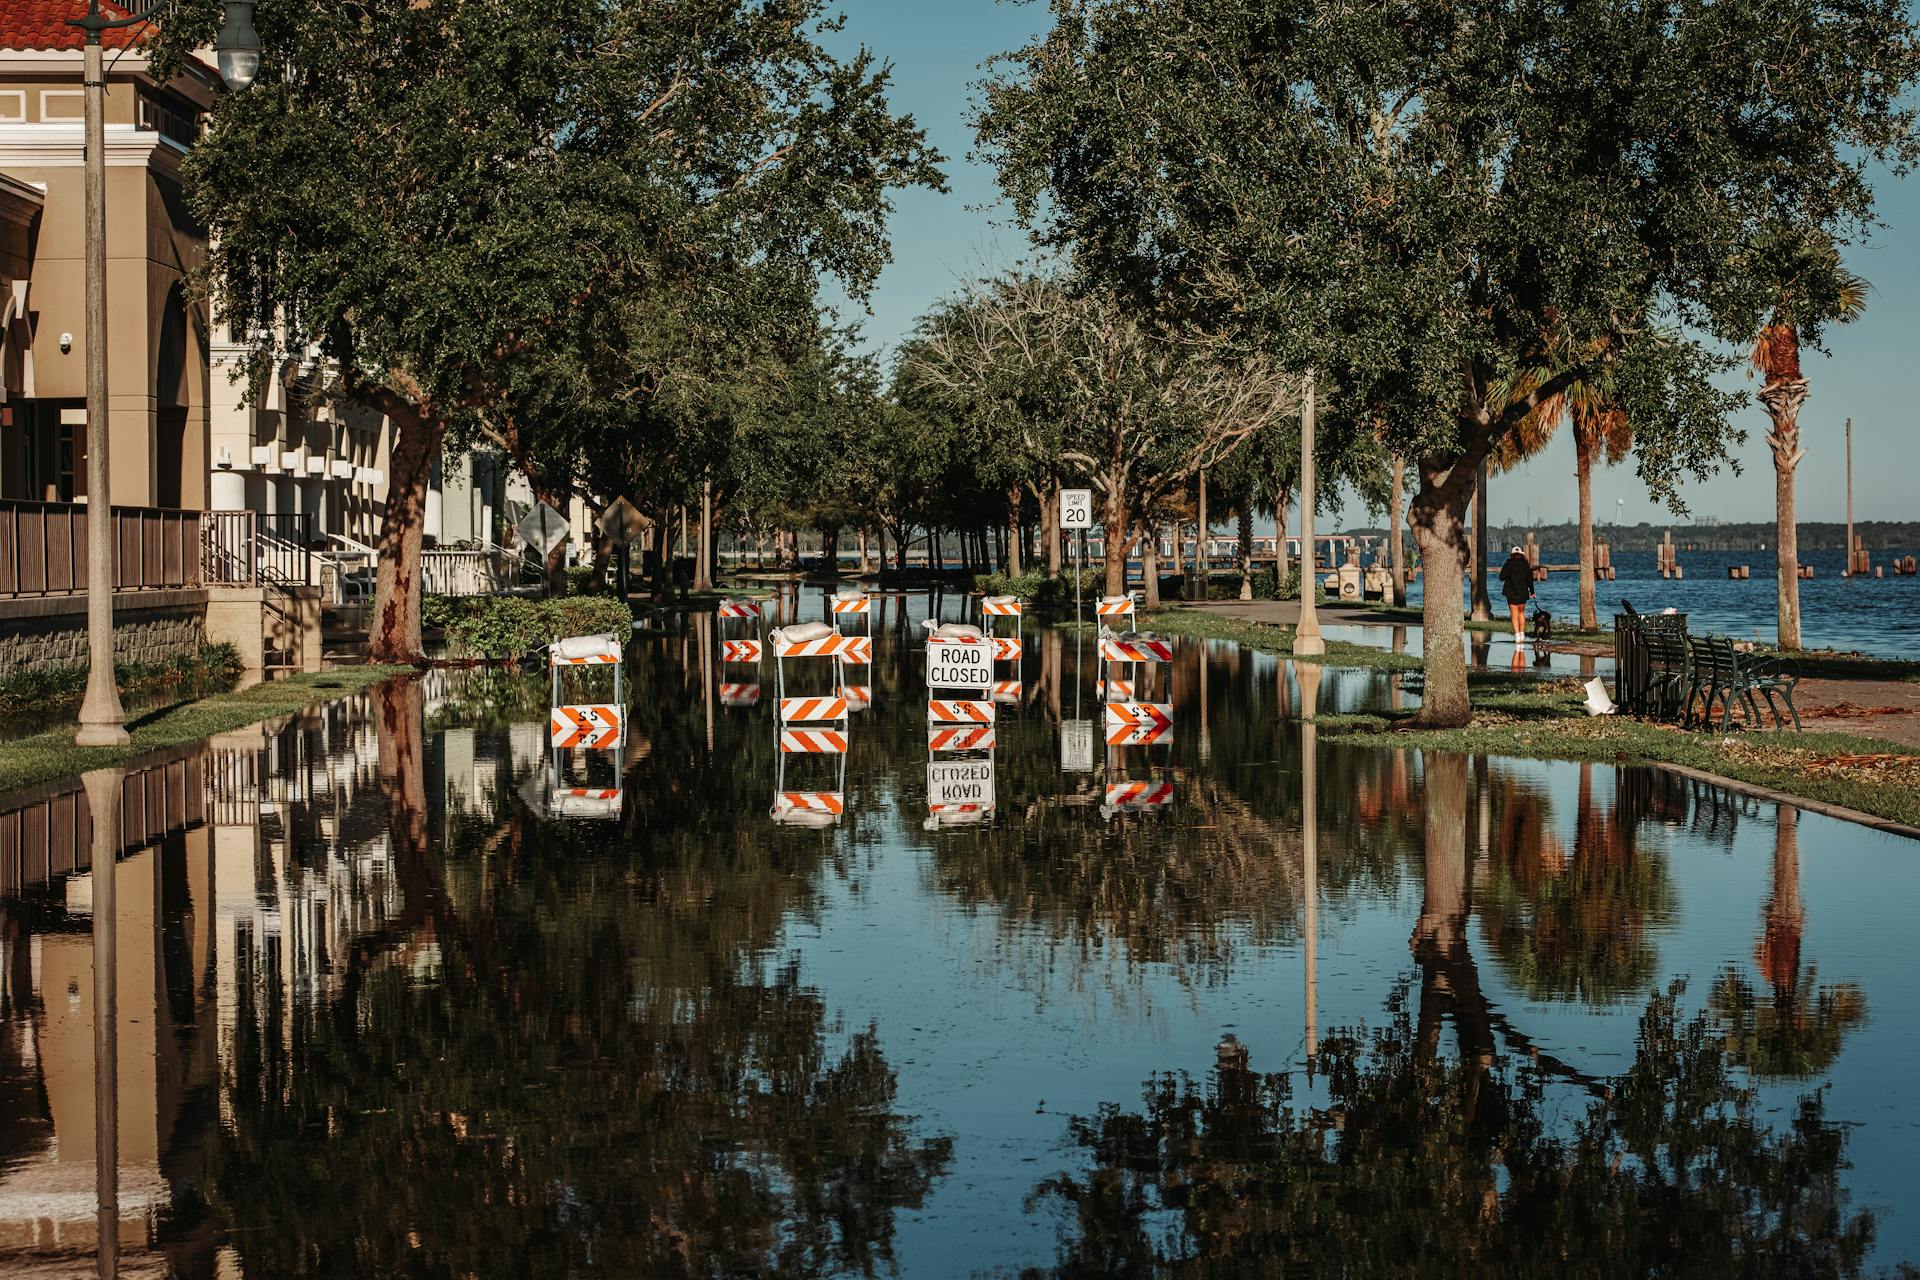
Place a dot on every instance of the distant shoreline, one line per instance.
(1818, 535)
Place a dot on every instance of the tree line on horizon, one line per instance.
(594, 239)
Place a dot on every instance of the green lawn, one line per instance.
(1202, 625)
(1548, 723)
(51, 754)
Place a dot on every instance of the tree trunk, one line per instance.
(1583, 450)
(1150, 565)
(1246, 543)
(1014, 532)
(863, 549)
(1482, 604)
(1396, 542)
(395, 633)
(703, 568)
(1783, 400)
(1050, 531)
(900, 549)
(1281, 559)
(1114, 521)
(1438, 517)
(1202, 562)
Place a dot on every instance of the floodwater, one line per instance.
(382, 1008)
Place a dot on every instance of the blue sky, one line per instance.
(936, 48)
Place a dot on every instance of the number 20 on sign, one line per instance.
(1076, 508)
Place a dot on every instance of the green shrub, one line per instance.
(512, 626)
(49, 689)
(1038, 589)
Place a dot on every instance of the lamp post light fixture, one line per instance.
(102, 722)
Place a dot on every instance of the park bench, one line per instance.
(1726, 677)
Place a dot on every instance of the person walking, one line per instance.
(1516, 583)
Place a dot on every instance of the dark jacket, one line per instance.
(1516, 580)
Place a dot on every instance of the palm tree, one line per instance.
(1600, 431)
(1814, 289)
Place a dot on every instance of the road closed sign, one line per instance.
(959, 665)
(960, 782)
(1076, 508)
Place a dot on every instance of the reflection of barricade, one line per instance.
(960, 742)
(747, 615)
(594, 726)
(808, 808)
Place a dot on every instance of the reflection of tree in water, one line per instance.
(547, 1072)
(1794, 1030)
(1572, 924)
(1423, 1166)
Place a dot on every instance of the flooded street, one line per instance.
(400, 990)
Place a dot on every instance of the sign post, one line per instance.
(543, 529)
(1076, 513)
(622, 522)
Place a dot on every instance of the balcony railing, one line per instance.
(43, 549)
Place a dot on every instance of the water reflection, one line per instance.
(382, 1010)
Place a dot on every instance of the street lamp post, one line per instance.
(1306, 635)
(102, 722)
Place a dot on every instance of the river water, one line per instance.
(1247, 1002)
(1878, 616)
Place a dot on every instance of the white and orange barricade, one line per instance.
(1001, 607)
(596, 726)
(593, 726)
(746, 614)
(959, 711)
(813, 741)
(1007, 692)
(585, 802)
(959, 656)
(814, 709)
(1139, 724)
(849, 604)
(809, 640)
(811, 808)
(1114, 689)
(1110, 608)
(739, 694)
(859, 696)
(1132, 650)
(1137, 796)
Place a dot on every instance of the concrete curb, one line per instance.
(1799, 802)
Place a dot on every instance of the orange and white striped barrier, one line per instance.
(740, 650)
(859, 696)
(827, 646)
(585, 726)
(1137, 649)
(1006, 691)
(739, 609)
(851, 604)
(826, 742)
(1000, 607)
(949, 711)
(584, 802)
(1006, 648)
(812, 710)
(1114, 690)
(1136, 796)
(1139, 724)
(832, 802)
(739, 695)
(964, 738)
(585, 651)
(1114, 607)
(856, 651)
(957, 815)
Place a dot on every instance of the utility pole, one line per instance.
(1306, 635)
(1850, 559)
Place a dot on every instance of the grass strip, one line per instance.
(51, 754)
(1548, 723)
(1200, 624)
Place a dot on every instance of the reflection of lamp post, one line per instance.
(102, 722)
(1306, 635)
(1309, 675)
(103, 813)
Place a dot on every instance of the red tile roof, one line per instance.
(42, 24)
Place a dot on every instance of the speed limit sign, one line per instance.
(1076, 508)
